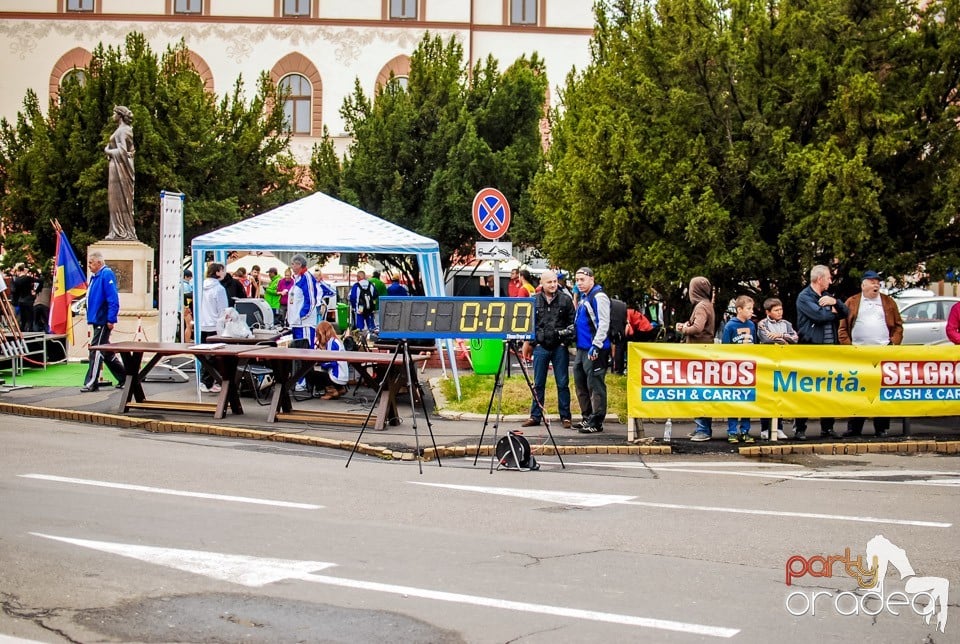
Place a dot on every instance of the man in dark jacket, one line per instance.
(234, 289)
(554, 314)
(103, 304)
(818, 322)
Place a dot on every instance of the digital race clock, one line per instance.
(508, 318)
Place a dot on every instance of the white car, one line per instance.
(925, 320)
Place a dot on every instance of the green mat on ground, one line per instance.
(69, 374)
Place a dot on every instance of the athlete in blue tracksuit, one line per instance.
(593, 351)
(302, 303)
(103, 304)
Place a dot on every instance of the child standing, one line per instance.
(740, 330)
(773, 329)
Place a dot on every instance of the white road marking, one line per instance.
(160, 490)
(256, 572)
(586, 499)
(805, 475)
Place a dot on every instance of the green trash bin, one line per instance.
(343, 316)
(486, 354)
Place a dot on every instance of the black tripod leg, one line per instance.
(413, 404)
(504, 364)
(498, 383)
(376, 400)
(413, 380)
(543, 412)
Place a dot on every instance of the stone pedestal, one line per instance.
(133, 264)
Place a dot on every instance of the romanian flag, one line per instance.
(69, 282)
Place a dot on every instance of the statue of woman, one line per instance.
(120, 152)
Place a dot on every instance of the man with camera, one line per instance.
(554, 331)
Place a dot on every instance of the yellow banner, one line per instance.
(727, 380)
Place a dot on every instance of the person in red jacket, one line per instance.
(953, 324)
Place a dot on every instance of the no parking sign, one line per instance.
(491, 213)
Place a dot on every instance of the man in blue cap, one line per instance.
(873, 318)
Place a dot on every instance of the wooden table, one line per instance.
(223, 360)
(291, 365)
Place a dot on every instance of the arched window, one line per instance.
(74, 75)
(296, 103)
(399, 83)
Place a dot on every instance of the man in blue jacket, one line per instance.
(818, 322)
(593, 351)
(103, 304)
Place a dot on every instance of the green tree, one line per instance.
(420, 155)
(230, 157)
(746, 141)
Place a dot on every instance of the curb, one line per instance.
(428, 454)
(904, 447)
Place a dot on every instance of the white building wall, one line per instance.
(449, 10)
(355, 46)
(352, 9)
(148, 7)
(242, 8)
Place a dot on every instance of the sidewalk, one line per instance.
(456, 434)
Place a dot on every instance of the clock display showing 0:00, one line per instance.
(456, 317)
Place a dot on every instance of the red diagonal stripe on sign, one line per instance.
(490, 211)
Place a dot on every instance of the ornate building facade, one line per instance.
(315, 48)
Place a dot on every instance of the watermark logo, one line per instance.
(925, 596)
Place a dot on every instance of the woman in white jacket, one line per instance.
(213, 302)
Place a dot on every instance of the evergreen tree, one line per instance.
(420, 155)
(229, 157)
(746, 141)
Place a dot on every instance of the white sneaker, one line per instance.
(781, 436)
(204, 388)
(215, 389)
(765, 435)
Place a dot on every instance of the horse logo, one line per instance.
(883, 553)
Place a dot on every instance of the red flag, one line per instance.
(69, 282)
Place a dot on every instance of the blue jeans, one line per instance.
(704, 425)
(744, 426)
(542, 358)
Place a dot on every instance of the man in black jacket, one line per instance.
(233, 288)
(554, 330)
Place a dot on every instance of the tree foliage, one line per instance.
(229, 156)
(420, 154)
(748, 140)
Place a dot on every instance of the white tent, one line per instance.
(321, 224)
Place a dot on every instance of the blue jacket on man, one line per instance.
(591, 325)
(813, 319)
(103, 301)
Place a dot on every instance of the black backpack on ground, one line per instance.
(513, 453)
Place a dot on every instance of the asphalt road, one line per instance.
(113, 535)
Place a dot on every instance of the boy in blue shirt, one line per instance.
(740, 330)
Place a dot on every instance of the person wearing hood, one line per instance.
(700, 329)
(213, 302)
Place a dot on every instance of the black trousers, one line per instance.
(101, 335)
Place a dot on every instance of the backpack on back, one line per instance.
(365, 299)
(618, 319)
